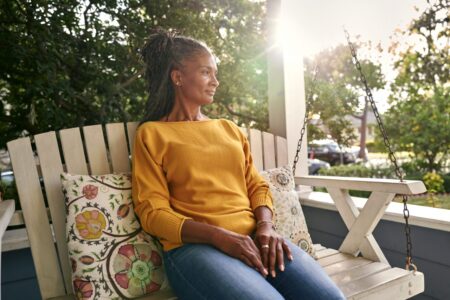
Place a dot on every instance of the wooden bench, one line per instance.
(40, 160)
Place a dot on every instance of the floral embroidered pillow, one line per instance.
(289, 220)
(111, 256)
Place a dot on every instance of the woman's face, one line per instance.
(197, 81)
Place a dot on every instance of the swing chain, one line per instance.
(308, 97)
(391, 155)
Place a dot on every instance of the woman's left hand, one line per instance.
(272, 247)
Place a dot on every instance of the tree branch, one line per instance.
(130, 80)
(241, 115)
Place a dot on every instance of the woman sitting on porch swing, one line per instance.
(195, 188)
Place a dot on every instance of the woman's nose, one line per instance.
(214, 81)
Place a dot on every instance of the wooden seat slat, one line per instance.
(346, 265)
(318, 247)
(94, 142)
(338, 257)
(325, 252)
(381, 281)
(72, 147)
(358, 272)
(51, 168)
(118, 149)
(43, 251)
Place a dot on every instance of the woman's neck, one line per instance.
(183, 114)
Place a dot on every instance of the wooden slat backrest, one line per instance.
(94, 142)
(131, 130)
(268, 150)
(73, 152)
(256, 148)
(282, 155)
(39, 232)
(51, 168)
(118, 149)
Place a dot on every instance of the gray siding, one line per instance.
(18, 276)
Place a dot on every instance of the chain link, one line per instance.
(391, 155)
(308, 97)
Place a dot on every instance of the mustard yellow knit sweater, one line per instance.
(201, 170)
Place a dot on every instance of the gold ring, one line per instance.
(264, 246)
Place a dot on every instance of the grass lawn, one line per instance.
(440, 201)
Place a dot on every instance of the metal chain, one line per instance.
(308, 97)
(392, 157)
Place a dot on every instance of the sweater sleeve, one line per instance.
(151, 195)
(257, 188)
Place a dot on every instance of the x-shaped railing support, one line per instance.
(362, 223)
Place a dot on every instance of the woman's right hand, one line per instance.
(241, 247)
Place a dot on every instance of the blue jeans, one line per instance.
(200, 271)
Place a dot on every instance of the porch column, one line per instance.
(286, 90)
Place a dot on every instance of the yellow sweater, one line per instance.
(201, 170)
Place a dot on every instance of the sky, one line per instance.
(375, 20)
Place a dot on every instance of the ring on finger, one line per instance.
(264, 246)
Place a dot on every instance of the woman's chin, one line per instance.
(209, 100)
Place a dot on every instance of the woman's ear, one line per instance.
(175, 75)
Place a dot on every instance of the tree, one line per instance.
(337, 92)
(68, 63)
(418, 120)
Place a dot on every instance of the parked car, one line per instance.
(355, 151)
(329, 151)
(314, 165)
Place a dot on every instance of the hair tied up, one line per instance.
(159, 43)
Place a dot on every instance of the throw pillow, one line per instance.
(111, 256)
(289, 220)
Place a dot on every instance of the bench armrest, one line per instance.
(410, 187)
(6, 212)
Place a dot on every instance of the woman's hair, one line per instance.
(163, 52)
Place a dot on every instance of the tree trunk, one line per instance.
(363, 128)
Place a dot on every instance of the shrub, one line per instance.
(446, 179)
(359, 170)
(433, 182)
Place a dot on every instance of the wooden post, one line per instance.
(286, 81)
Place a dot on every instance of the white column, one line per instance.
(287, 101)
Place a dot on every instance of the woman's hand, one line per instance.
(272, 247)
(241, 247)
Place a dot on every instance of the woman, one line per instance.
(195, 187)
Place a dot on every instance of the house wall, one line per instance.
(18, 276)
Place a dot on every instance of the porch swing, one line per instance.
(359, 239)
(106, 148)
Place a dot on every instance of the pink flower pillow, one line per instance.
(111, 256)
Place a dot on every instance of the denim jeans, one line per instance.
(200, 271)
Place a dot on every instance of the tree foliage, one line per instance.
(71, 63)
(337, 92)
(419, 117)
